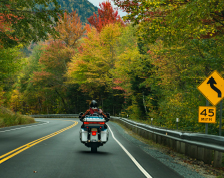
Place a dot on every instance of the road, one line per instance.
(51, 148)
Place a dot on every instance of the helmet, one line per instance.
(93, 104)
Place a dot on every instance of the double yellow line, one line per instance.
(18, 150)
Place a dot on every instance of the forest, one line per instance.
(145, 65)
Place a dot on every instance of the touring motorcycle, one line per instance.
(94, 132)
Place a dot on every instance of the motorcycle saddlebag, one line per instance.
(104, 135)
(83, 135)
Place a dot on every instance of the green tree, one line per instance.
(10, 64)
(90, 67)
(23, 89)
(131, 70)
(175, 21)
(27, 20)
(53, 65)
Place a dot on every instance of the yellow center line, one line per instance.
(30, 144)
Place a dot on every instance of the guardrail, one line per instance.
(207, 148)
(54, 115)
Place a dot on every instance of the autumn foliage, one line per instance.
(90, 67)
(6, 21)
(70, 28)
(24, 21)
(107, 15)
(149, 68)
(173, 20)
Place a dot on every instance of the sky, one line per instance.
(96, 3)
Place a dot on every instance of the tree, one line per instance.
(53, 61)
(90, 67)
(106, 15)
(42, 82)
(23, 21)
(9, 63)
(175, 21)
(53, 66)
(130, 72)
(70, 29)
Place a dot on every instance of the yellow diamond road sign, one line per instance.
(213, 88)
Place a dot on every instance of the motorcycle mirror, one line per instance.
(108, 115)
(80, 114)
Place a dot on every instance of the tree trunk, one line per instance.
(143, 98)
(63, 101)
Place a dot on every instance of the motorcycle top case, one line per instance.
(94, 119)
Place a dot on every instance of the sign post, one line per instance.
(206, 124)
(220, 120)
(177, 120)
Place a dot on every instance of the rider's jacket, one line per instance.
(91, 111)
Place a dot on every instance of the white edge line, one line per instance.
(131, 157)
(25, 127)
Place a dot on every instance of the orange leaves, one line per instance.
(53, 61)
(41, 76)
(53, 64)
(5, 27)
(106, 15)
(51, 58)
(117, 88)
(70, 29)
(88, 29)
(117, 82)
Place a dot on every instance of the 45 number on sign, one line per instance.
(205, 113)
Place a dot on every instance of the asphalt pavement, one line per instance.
(51, 148)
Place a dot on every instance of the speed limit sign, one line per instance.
(207, 114)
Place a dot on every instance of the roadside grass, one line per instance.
(9, 118)
(205, 170)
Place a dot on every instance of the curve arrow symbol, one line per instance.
(212, 82)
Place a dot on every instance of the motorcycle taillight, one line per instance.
(94, 133)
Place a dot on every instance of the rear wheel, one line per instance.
(94, 148)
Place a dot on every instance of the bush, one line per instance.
(9, 118)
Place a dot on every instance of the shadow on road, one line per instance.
(97, 153)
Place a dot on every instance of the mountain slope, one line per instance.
(84, 8)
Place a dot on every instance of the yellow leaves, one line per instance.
(96, 57)
(15, 99)
(202, 30)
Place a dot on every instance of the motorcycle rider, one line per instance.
(94, 109)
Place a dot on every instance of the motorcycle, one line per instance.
(94, 132)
